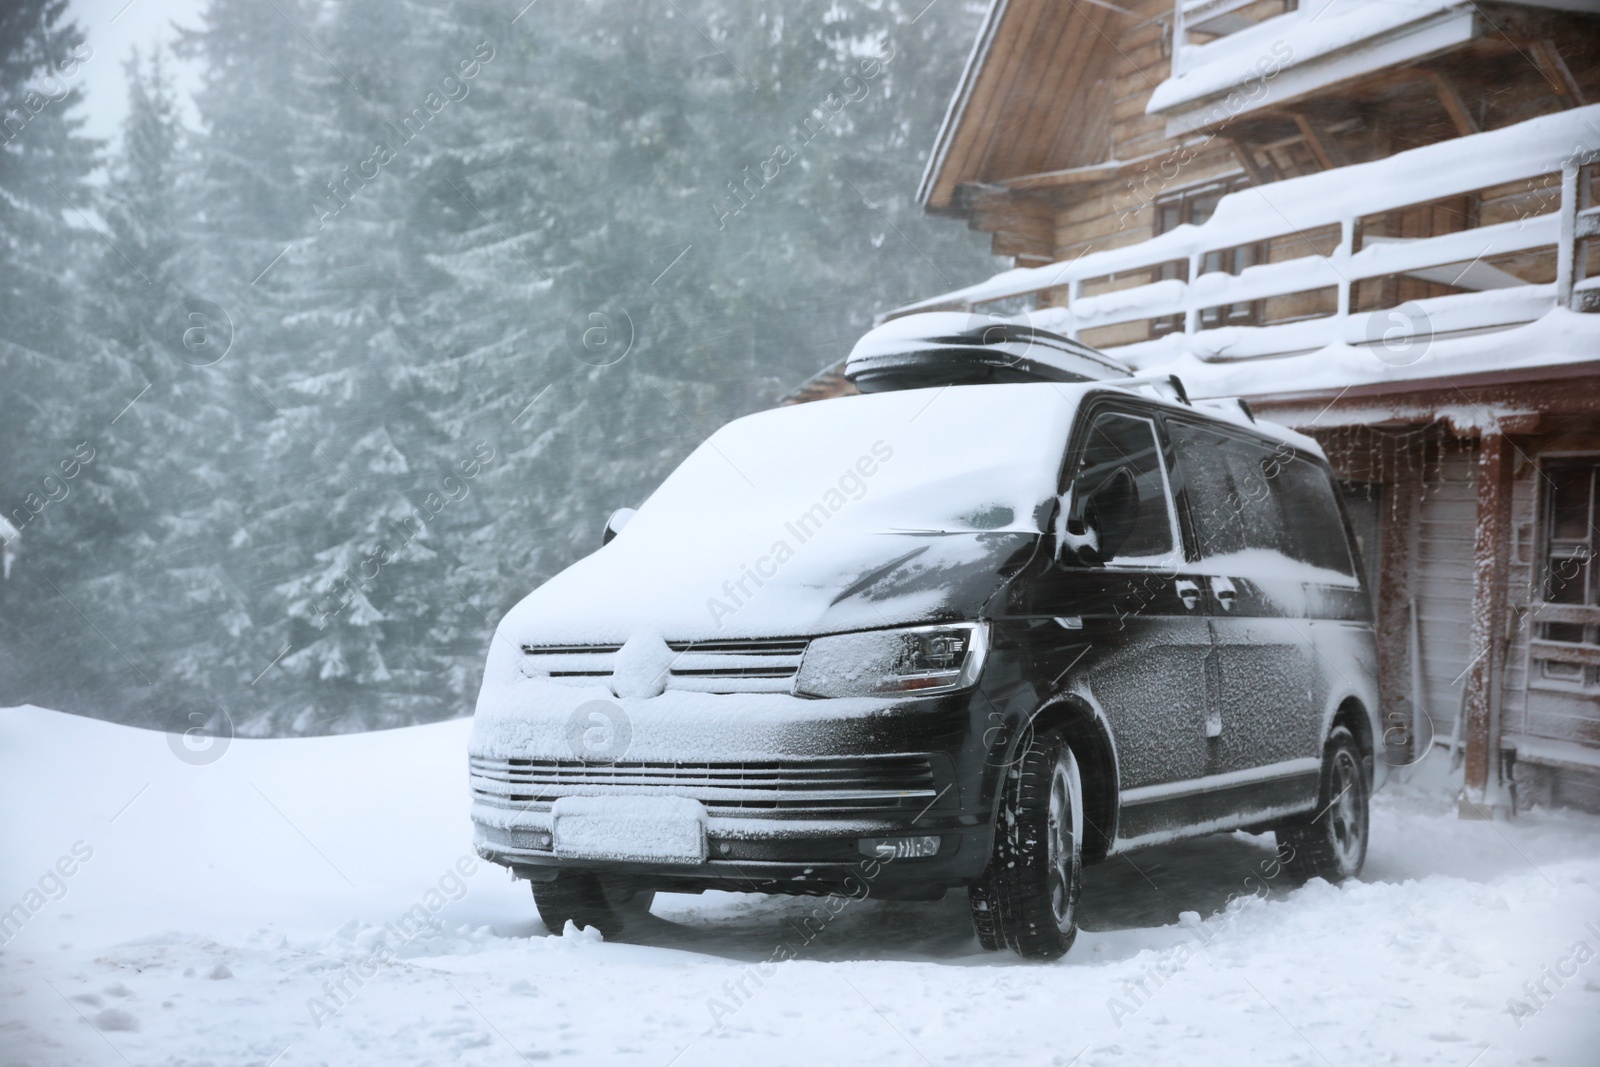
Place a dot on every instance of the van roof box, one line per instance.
(955, 348)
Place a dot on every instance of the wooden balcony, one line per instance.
(1232, 57)
(1465, 237)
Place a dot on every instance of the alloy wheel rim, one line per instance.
(1063, 836)
(1344, 818)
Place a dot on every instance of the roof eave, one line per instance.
(956, 112)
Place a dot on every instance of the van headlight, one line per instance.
(917, 659)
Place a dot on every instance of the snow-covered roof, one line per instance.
(1028, 57)
(1314, 31)
(960, 98)
(1312, 45)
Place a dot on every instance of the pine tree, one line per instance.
(173, 447)
(62, 385)
(265, 107)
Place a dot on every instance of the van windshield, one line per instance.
(962, 458)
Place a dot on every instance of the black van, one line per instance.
(1012, 613)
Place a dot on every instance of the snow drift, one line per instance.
(314, 901)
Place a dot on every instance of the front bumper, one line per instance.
(790, 787)
(748, 855)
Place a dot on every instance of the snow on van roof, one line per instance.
(793, 492)
(971, 444)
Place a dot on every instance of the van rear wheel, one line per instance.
(1332, 843)
(582, 898)
(1037, 867)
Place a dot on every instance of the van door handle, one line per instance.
(1189, 593)
(1224, 591)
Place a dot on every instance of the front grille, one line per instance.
(756, 666)
(735, 666)
(573, 661)
(828, 785)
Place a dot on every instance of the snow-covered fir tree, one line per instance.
(481, 277)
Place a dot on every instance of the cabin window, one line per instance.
(1566, 652)
(1193, 207)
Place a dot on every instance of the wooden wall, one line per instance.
(1443, 578)
(1442, 586)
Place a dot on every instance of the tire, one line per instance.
(985, 905)
(1332, 843)
(1038, 859)
(583, 899)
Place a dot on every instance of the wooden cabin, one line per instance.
(1379, 223)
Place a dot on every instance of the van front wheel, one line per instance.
(584, 900)
(985, 904)
(1037, 868)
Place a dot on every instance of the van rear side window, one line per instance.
(1246, 495)
(1314, 522)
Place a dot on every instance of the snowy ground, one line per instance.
(220, 901)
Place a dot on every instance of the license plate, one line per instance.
(637, 829)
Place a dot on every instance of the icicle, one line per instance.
(1431, 464)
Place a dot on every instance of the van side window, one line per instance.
(1311, 511)
(1115, 442)
(1218, 491)
(1246, 495)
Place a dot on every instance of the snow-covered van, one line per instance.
(956, 635)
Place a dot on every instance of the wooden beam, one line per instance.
(1555, 68)
(1465, 423)
(1454, 106)
(1396, 548)
(1023, 225)
(1313, 142)
(1247, 162)
(1491, 557)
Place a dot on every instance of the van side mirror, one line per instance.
(1100, 522)
(615, 523)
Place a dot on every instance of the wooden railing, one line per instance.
(1197, 24)
(1160, 284)
(1216, 18)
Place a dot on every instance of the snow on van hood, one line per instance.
(851, 513)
